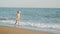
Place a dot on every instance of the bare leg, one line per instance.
(16, 21)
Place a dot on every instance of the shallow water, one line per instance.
(42, 19)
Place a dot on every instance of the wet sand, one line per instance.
(11, 30)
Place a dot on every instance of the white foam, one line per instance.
(39, 25)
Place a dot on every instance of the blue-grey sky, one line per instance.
(30, 3)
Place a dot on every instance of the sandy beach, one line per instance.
(10, 30)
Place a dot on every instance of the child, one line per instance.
(18, 17)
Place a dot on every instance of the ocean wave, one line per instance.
(38, 25)
(6, 18)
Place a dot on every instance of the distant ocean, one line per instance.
(41, 19)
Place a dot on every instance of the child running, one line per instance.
(18, 15)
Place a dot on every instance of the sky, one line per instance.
(30, 3)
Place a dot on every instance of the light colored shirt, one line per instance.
(18, 15)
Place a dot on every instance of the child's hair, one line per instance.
(18, 12)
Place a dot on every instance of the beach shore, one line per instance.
(12, 30)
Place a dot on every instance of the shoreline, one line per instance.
(12, 30)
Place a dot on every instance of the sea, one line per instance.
(40, 19)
